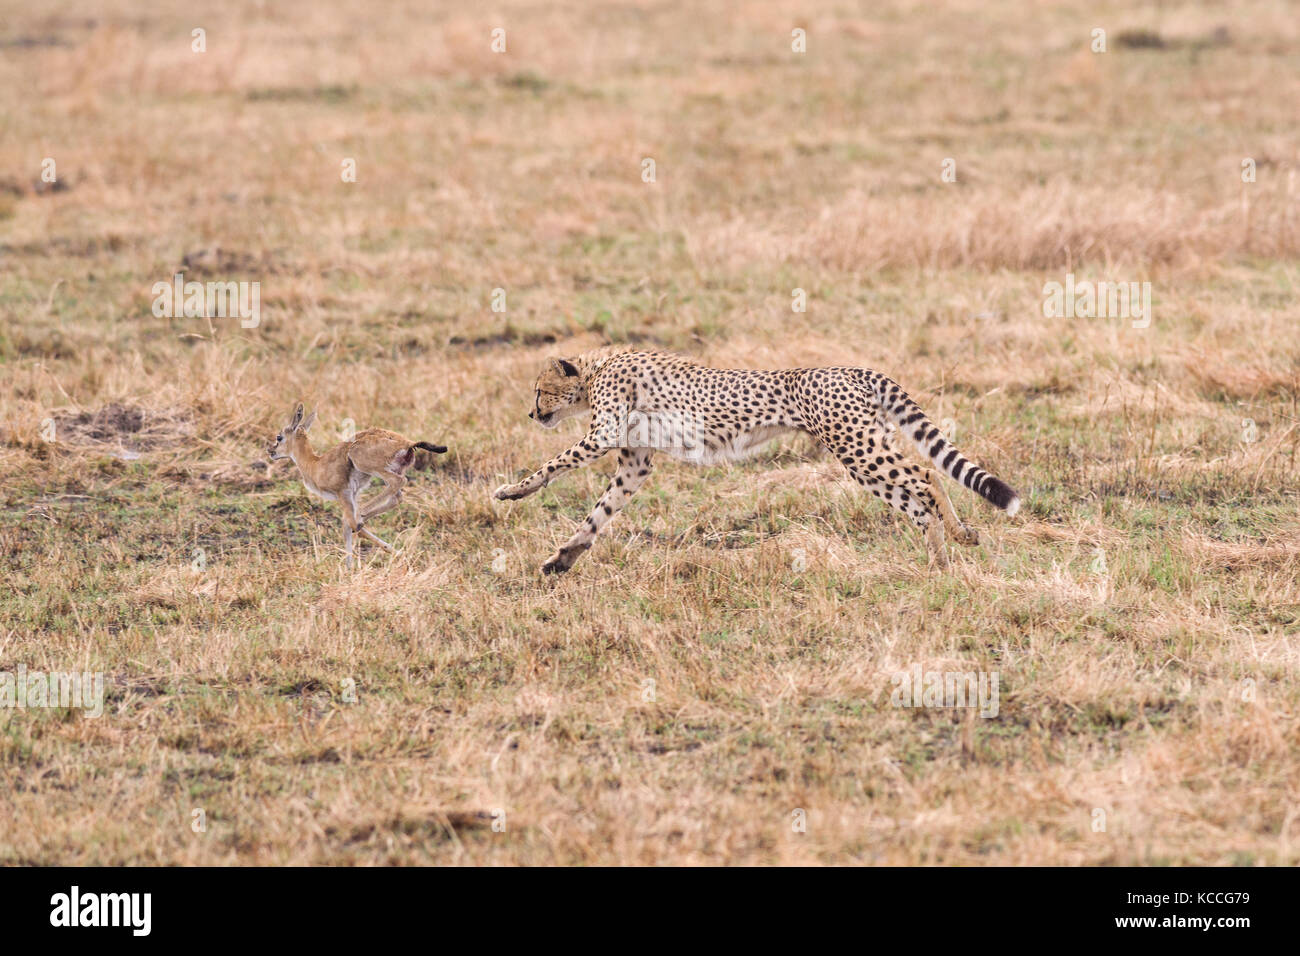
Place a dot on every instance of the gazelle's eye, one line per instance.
(279, 437)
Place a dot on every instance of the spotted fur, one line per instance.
(643, 402)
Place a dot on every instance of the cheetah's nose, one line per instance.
(533, 415)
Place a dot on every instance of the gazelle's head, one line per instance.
(285, 444)
(561, 393)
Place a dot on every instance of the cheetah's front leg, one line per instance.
(633, 469)
(583, 453)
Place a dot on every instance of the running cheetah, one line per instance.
(648, 401)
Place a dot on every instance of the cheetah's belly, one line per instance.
(716, 450)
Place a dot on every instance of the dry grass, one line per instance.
(1141, 612)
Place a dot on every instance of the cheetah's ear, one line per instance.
(564, 367)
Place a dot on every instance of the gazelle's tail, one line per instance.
(913, 423)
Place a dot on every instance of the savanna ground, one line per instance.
(1141, 612)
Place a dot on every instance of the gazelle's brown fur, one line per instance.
(342, 472)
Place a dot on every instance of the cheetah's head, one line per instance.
(560, 393)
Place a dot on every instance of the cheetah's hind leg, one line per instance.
(934, 542)
(960, 532)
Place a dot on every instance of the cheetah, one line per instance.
(644, 402)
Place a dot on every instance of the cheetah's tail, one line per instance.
(914, 423)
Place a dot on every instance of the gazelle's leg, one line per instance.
(386, 500)
(351, 522)
(349, 499)
(584, 452)
(367, 533)
(633, 469)
(349, 504)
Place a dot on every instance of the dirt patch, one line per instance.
(216, 261)
(37, 187)
(126, 428)
(304, 687)
(331, 93)
(33, 43)
(1151, 40)
(507, 337)
(528, 81)
(433, 825)
(1140, 40)
(93, 247)
(119, 688)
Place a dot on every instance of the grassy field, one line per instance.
(713, 682)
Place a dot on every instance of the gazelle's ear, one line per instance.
(308, 423)
(297, 416)
(564, 367)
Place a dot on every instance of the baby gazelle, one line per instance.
(341, 473)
